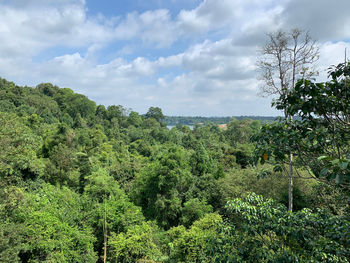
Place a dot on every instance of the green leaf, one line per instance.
(324, 171)
(339, 178)
(277, 168)
(343, 165)
(322, 157)
(335, 161)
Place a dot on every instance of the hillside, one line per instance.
(81, 181)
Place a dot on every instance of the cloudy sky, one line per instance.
(189, 57)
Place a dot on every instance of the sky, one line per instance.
(188, 57)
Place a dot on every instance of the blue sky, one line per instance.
(189, 57)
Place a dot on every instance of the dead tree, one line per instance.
(285, 58)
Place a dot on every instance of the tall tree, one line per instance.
(324, 129)
(286, 57)
(156, 113)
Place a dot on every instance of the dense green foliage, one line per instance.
(79, 179)
(320, 137)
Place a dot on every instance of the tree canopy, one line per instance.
(82, 182)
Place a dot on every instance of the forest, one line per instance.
(84, 183)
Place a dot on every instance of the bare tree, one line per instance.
(286, 57)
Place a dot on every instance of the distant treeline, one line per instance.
(189, 120)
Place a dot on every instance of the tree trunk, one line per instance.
(104, 241)
(289, 119)
(104, 225)
(290, 188)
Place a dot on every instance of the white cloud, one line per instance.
(215, 60)
(27, 31)
(210, 14)
(122, 82)
(253, 31)
(212, 72)
(325, 19)
(331, 54)
(152, 27)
